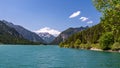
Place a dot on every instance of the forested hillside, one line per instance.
(67, 33)
(9, 35)
(105, 35)
(31, 36)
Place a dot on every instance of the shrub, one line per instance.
(61, 44)
(106, 40)
(96, 46)
(119, 39)
(77, 43)
(115, 46)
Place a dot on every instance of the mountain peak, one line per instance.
(48, 30)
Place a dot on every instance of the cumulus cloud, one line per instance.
(83, 19)
(90, 22)
(75, 14)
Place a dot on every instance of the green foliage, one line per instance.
(115, 46)
(89, 36)
(96, 46)
(106, 40)
(119, 39)
(85, 46)
(111, 15)
(103, 35)
(103, 5)
(66, 34)
(61, 44)
(77, 43)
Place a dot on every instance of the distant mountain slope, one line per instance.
(31, 36)
(47, 37)
(67, 33)
(9, 35)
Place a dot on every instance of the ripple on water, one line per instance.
(55, 57)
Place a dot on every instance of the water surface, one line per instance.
(20, 56)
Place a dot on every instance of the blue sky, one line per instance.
(36, 14)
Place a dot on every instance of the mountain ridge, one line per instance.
(67, 33)
(46, 37)
(9, 35)
(31, 36)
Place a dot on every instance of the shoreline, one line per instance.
(95, 49)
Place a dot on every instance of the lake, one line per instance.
(20, 56)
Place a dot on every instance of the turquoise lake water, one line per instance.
(20, 56)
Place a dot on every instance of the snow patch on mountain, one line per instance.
(47, 37)
(48, 30)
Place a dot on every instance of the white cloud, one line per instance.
(83, 19)
(90, 22)
(48, 30)
(75, 14)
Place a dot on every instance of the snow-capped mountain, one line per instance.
(47, 37)
(48, 30)
(47, 34)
